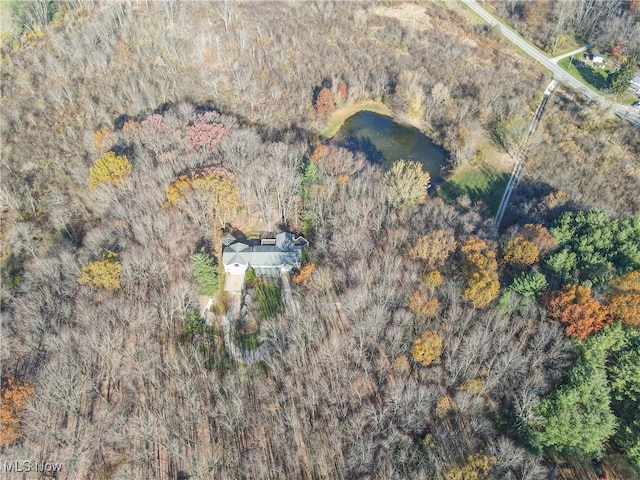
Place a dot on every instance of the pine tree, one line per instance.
(205, 273)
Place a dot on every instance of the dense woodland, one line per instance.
(426, 345)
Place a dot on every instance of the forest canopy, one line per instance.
(414, 341)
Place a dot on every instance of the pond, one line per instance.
(385, 141)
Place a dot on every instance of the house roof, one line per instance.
(286, 251)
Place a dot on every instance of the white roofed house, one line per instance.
(267, 256)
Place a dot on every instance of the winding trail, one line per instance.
(235, 352)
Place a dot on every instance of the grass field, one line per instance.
(248, 341)
(483, 183)
(269, 300)
(338, 117)
(594, 78)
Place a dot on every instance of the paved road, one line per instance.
(623, 111)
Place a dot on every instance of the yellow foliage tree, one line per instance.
(102, 273)
(221, 195)
(624, 300)
(519, 251)
(14, 397)
(476, 467)
(427, 349)
(178, 189)
(481, 290)
(481, 271)
(109, 168)
(443, 406)
(432, 279)
(475, 386)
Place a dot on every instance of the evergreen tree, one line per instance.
(619, 80)
(205, 272)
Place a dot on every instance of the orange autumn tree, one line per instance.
(423, 302)
(624, 299)
(342, 92)
(14, 397)
(579, 313)
(324, 102)
(433, 248)
(305, 272)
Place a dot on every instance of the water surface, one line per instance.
(385, 141)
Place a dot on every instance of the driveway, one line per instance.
(233, 283)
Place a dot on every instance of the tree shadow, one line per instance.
(591, 76)
(364, 145)
(489, 190)
(533, 201)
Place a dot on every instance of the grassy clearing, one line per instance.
(566, 44)
(338, 117)
(249, 341)
(484, 183)
(269, 300)
(627, 98)
(594, 78)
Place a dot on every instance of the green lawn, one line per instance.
(482, 183)
(269, 300)
(594, 78)
(248, 341)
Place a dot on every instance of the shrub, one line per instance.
(250, 276)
